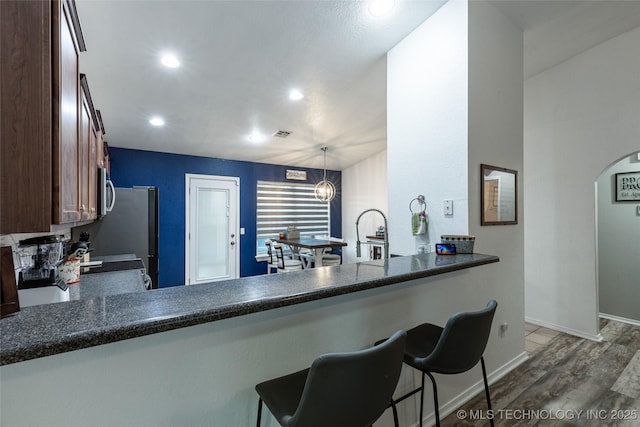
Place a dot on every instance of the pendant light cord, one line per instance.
(324, 150)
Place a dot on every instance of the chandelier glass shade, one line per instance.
(325, 190)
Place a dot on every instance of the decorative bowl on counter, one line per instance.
(464, 243)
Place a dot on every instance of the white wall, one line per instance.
(495, 138)
(427, 127)
(579, 117)
(618, 246)
(454, 101)
(364, 186)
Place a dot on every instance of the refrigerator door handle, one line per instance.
(113, 195)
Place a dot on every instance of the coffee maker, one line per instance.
(39, 258)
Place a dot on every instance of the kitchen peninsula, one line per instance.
(228, 336)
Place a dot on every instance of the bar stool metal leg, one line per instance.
(396, 423)
(435, 400)
(486, 388)
(421, 400)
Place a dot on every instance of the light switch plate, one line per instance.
(242, 231)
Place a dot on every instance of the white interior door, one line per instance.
(212, 246)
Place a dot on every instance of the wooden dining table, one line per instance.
(316, 245)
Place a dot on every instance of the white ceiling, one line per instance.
(240, 59)
(556, 30)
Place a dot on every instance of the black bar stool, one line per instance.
(454, 349)
(339, 389)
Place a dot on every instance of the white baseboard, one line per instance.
(620, 319)
(574, 332)
(468, 394)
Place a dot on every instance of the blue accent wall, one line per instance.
(167, 172)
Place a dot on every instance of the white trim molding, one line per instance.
(620, 319)
(574, 332)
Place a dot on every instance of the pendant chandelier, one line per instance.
(325, 190)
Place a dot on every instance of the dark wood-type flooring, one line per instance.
(567, 381)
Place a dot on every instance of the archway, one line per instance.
(618, 241)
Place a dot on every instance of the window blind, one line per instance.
(281, 204)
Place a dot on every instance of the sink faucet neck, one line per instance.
(386, 233)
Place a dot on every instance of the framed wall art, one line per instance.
(296, 174)
(628, 187)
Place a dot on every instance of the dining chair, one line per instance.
(306, 256)
(285, 264)
(272, 261)
(330, 258)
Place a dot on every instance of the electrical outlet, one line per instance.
(448, 207)
(503, 329)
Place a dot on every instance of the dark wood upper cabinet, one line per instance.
(25, 122)
(90, 136)
(49, 129)
(68, 149)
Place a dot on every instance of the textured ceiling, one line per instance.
(240, 58)
(555, 30)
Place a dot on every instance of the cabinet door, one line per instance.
(106, 157)
(100, 149)
(25, 121)
(66, 106)
(88, 169)
(86, 140)
(101, 145)
(93, 174)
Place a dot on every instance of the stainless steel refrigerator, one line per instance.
(130, 228)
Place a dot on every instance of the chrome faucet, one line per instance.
(386, 234)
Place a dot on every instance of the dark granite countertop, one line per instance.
(50, 329)
(96, 285)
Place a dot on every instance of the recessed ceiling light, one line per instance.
(381, 7)
(170, 61)
(256, 137)
(295, 95)
(156, 121)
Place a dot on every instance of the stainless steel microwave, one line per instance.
(106, 193)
